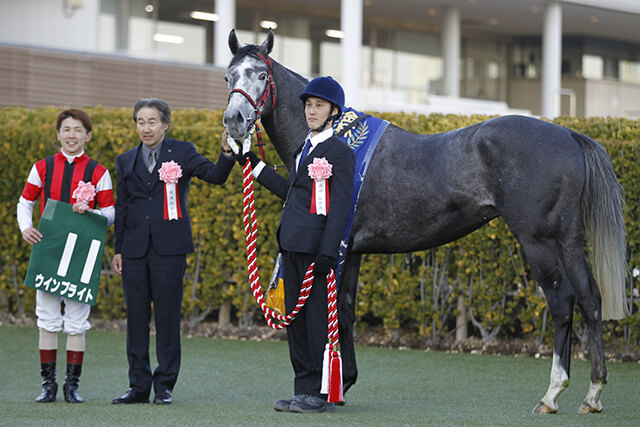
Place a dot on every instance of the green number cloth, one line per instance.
(67, 261)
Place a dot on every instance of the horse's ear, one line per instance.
(267, 44)
(233, 42)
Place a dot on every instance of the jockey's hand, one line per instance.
(32, 235)
(80, 207)
(250, 155)
(324, 264)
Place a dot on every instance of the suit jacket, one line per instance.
(300, 230)
(140, 201)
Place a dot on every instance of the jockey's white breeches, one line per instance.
(75, 319)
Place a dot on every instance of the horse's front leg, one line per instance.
(346, 317)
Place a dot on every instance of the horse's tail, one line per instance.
(602, 201)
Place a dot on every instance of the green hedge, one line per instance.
(420, 291)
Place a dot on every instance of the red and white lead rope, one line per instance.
(332, 372)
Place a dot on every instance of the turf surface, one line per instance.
(232, 382)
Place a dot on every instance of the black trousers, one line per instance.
(307, 334)
(153, 278)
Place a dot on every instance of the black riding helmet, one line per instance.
(328, 89)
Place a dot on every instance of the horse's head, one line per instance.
(251, 87)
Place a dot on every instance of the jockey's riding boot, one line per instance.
(49, 384)
(70, 386)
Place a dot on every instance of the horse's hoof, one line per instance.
(543, 408)
(586, 408)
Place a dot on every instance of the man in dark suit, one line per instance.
(311, 228)
(152, 238)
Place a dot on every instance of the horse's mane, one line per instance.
(244, 51)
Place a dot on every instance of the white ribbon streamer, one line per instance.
(233, 145)
(172, 200)
(321, 197)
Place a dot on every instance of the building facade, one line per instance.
(549, 58)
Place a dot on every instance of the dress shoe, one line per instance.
(131, 396)
(162, 398)
(284, 404)
(311, 404)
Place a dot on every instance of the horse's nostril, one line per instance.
(233, 118)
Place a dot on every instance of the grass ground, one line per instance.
(231, 382)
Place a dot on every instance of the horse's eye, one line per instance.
(262, 76)
(226, 79)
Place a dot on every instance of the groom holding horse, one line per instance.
(318, 197)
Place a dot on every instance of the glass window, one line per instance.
(330, 59)
(110, 31)
(185, 43)
(417, 75)
(592, 67)
(294, 53)
(485, 69)
(629, 71)
(526, 58)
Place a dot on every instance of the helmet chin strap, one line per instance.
(322, 126)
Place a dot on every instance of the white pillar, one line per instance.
(226, 11)
(451, 51)
(551, 60)
(350, 47)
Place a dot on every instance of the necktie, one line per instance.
(152, 161)
(305, 152)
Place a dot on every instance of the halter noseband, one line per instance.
(258, 106)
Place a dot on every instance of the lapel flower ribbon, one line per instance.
(170, 172)
(85, 192)
(319, 172)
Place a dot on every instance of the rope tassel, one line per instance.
(335, 381)
(324, 388)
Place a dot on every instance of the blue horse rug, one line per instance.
(361, 132)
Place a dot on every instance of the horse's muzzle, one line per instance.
(236, 123)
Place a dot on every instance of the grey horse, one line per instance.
(549, 183)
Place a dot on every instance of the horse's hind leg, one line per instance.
(589, 302)
(347, 315)
(544, 257)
